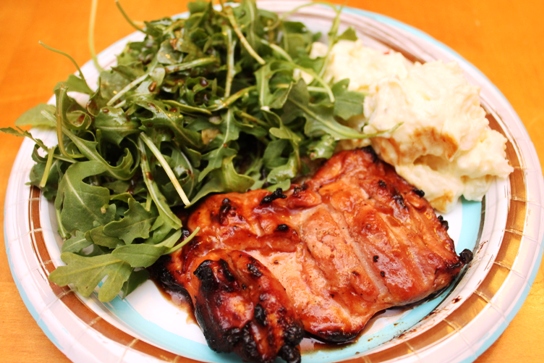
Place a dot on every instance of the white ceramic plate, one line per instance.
(505, 232)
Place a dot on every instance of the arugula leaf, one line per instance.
(322, 148)
(163, 116)
(114, 125)
(47, 172)
(136, 278)
(77, 84)
(284, 172)
(75, 198)
(99, 238)
(85, 273)
(229, 132)
(41, 115)
(272, 156)
(319, 117)
(76, 243)
(348, 34)
(124, 170)
(347, 103)
(141, 255)
(136, 223)
(225, 178)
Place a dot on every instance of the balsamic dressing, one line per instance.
(179, 299)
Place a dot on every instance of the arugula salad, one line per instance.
(210, 102)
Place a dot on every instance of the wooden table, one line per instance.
(504, 39)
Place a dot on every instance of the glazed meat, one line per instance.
(321, 258)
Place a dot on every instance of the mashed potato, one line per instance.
(444, 145)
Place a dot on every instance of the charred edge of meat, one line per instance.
(277, 194)
(369, 150)
(209, 280)
(233, 336)
(335, 337)
(443, 222)
(419, 192)
(293, 334)
(382, 184)
(282, 228)
(466, 256)
(249, 344)
(260, 314)
(224, 210)
(290, 354)
(216, 279)
(254, 270)
(161, 275)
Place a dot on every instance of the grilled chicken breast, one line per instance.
(321, 258)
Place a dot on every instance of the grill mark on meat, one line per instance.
(323, 315)
(375, 288)
(260, 314)
(416, 237)
(397, 197)
(406, 245)
(349, 212)
(389, 254)
(378, 287)
(335, 258)
(314, 280)
(410, 244)
(301, 272)
(253, 269)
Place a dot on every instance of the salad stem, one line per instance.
(184, 242)
(243, 40)
(81, 75)
(50, 157)
(189, 65)
(156, 195)
(318, 79)
(60, 120)
(126, 17)
(278, 50)
(231, 45)
(127, 88)
(225, 103)
(156, 152)
(92, 21)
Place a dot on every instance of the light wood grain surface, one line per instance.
(504, 39)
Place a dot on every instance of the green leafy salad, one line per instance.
(210, 102)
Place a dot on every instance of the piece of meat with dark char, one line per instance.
(323, 257)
